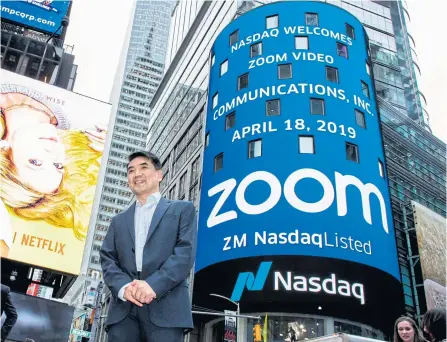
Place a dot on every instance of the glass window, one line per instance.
(316, 106)
(306, 144)
(311, 19)
(182, 186)
(342, 50)
(218, 162)
(365, 89)
(284, 71)
(207, 139)
(224, 68)
(230, 121)
(271, 22)
(332, 74)
(11, 60)
(215, 100)
(301, 43)
(234, 37)
(381, 170)
(242, 81)
(272, 108)
(368, 69)
(172, 193)
(360, 118)
(254, 148)
(256, 50)
(350, 31)
(32, 67)
(352, 152)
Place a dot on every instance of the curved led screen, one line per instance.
(294, 201)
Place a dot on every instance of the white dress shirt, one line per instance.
(142, 222)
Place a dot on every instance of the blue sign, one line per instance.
(40, 15)
(294, 161)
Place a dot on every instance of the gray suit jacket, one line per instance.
(168, 257)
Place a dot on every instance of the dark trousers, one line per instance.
(137, 326)
(11, 316)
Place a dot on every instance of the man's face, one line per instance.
(142, 177)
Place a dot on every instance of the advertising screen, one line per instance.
(40, 320)
(40, 15)
(51, 147)
(431, 235)
(295, 210)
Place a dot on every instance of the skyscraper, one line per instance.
(415, 158)
(142, 74)
(138, 76)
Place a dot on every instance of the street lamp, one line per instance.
(235, 303)
(228, 299)
(64, 23)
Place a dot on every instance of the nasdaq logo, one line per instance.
(252, 282)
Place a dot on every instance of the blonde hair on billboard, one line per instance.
(70, 205)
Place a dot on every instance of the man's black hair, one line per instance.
(149, 155)
(435, 323)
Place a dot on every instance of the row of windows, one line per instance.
(122, 128)
(132, 116)
(242, 83)
(301, 43)
(193, 182)
(116, 172)
(116, 163)
(134, 142)
(114, 181)
(138, 87)
(273, 108)
(285, 72)
(101, 227)
(306, 145)
(104, 218)
(116, 191)
(131, 124)
(403, 191)
(123, 147)
(195, 142)
(271, 22)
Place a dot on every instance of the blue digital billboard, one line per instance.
(40, 15)
(294, 185)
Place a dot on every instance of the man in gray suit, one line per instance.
(146, 258)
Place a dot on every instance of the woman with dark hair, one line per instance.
(434, 326)
(406, 330)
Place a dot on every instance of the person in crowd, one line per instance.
(9, 310)
(48, 171)
(434, 325)
(146, 257)
(406, 330)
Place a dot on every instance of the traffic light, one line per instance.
(257, 334)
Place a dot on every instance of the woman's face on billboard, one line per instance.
(39, 156)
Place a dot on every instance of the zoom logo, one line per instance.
(289, 282)
(252, 282)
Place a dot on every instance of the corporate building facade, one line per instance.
(276, 113)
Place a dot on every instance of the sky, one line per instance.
(97, 30)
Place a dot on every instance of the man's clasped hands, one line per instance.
(139, 292)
